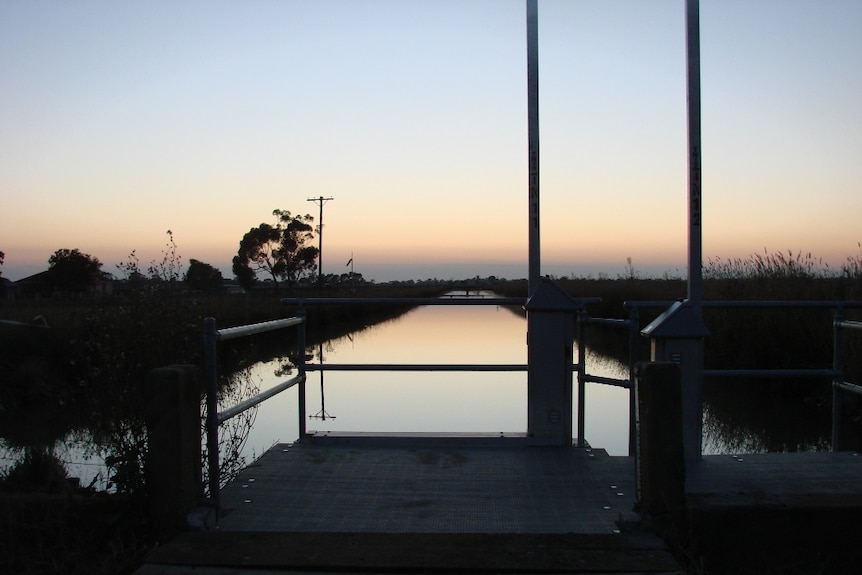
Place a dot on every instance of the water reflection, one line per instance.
(763, 416)
(444, 401)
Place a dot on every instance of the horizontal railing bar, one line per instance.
(848, 387)
(627, 384)
(810, 304)
(608, 321)
(260, 397)
(413, 301)
(771, 373)
(847, 324)
(414, 367)
(722, 304)
(251, 329)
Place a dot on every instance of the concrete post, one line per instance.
(660, 459)
(550, 340)
(174, 446)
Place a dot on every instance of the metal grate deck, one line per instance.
(430, 487)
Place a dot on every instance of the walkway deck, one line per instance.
(420, 503)
(454, 504)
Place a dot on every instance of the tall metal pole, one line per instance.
(695, 214)
(692, 380)
(533, 142)
(320, 201)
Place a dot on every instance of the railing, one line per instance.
(583, 377)
(835, 372)
(840, 387)
(632, 324)
(215, 418)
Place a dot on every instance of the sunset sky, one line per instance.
(121, 120)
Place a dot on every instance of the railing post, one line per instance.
(634, 324)
(211, 375)
(300, 366)
(837, 365)
(582, 377)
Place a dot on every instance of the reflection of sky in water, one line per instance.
(434, 401)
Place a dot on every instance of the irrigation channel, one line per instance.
(454, 401)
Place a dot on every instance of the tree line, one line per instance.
(281, 252)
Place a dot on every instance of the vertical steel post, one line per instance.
(211, 375)
(634, 324)
(582, 377)
(695, 214)
(533, 142)
(693, 379)
(300, 365)
(838, 366)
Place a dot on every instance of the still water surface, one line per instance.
(431, 401)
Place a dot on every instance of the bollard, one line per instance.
(174, 446)
(660, 455)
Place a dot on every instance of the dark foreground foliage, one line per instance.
(51, 525)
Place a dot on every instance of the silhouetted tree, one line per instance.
(258, 252)
(202, 276)
(73, 270)
(279, 250)
(299, 259)
(2, 256)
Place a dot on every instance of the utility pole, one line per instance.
(320, 201)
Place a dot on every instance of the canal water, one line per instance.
(436, 401)
(451, 401)
(364, 401)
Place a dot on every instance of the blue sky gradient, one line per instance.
(121, 120)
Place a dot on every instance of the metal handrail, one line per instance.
(259, 398)
(583, 377)
(214, 418)
(255, 328)
(416, 367)
(582, 319)
(849, 324)
(631, 325)
(409, 301)
(839, 386)
(212, 336)
(835, 372)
